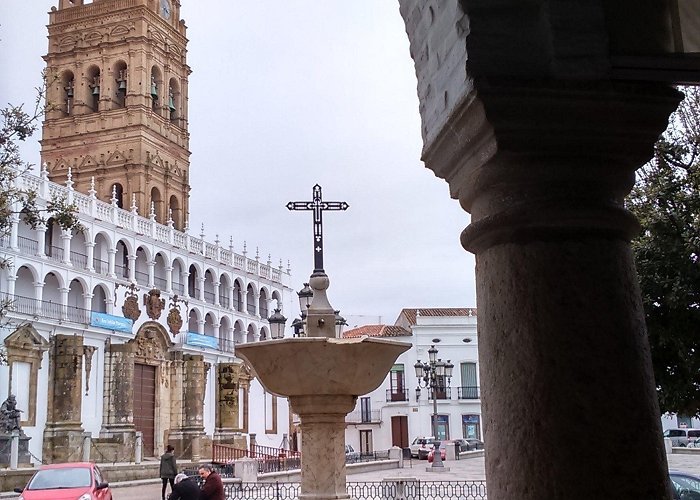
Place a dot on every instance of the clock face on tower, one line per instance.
(165, 9)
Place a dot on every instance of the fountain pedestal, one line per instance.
(322, 377)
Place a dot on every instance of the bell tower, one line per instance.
(117, 103)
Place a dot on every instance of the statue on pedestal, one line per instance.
(10, 416)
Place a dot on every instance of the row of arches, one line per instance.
(51, 296)
(148, 268)
(93, 87)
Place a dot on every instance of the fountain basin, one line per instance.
(321, 366)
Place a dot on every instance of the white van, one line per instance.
(682, 437)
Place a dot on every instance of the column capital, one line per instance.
(531, 160)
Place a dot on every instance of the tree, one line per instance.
(666, 200)
(17, 126)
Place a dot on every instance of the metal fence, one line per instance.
(377, 490)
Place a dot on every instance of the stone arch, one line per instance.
(119, 70)
(250, 298)
(91, 92)
(155, 88)
(265, 333)
(263, 303)
(251, 332)
(238, 295)
(238, 332)
(99, 298)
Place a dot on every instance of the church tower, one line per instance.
(117, 103)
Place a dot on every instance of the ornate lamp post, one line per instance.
(435, 374)
(277, 322)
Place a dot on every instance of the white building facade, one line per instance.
(396, 413)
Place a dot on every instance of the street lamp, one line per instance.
(305, 296)
(277, 322)
(339, 324)
(435, 374)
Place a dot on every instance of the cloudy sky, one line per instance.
(284, 95)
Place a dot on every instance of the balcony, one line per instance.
(394, 395)
(468, 392)
(441, 393)
(47, 309)
(364, 417)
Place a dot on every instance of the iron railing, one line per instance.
(47, 309)
(160, 283)
(209, 297)
(441, 393)
(396, 395)
(55, 253)
(101, 266)
(468, 392)
(141, 278)
(374, 490)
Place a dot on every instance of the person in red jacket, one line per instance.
(213, 487)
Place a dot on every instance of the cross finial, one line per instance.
(201, 234)
(317, 205)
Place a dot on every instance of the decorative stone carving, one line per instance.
(130, 309)
(148, 345)
(174, 317)
(154, 304)
(88, 351)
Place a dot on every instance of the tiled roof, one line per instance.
(377, 331)
(411, 314)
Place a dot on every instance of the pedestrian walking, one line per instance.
(168, 469)
(185, 488)
(213, 487)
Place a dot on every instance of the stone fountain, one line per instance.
(322, 376)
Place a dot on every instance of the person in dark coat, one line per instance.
(213, 487)
(185, 488)
(168, 469)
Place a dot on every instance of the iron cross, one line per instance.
(318, 206)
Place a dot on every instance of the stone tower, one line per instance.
(117, 103)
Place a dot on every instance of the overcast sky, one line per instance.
(284, 95)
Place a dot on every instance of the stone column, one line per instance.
(118, 417)
(41, 240)
(188, 437)
(227, 409)
(169, 280)
(111, 254)
(63, 434)
(90, 246)
(200, 291)
(217, 284)
(151, 273)
(132, 268)
(14, 231)
(65, 238)
(564, 354)
(323, 427)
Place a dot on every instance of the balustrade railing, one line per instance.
(209, 297)
(55, 253)
(78, 259)
(160, 283)
(101, 266)
(27, 245)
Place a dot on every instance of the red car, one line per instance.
(71, 481)
(431, 453)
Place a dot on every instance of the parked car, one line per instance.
(681, 437)
(469, 444)
(431, 453)
(76, 480)
(351, 456)
(685, 486)
(421, 443)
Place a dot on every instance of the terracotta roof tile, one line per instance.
(411, 314)
(377, 331)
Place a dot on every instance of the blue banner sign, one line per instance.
(199, 340)
(116, 323)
